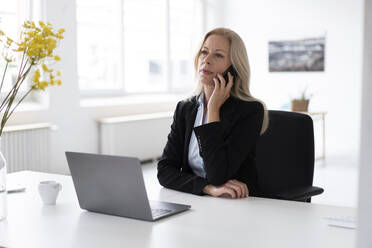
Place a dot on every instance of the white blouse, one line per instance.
(195, 160)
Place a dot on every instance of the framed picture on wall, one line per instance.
(297, 55)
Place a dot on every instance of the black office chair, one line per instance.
(285, 157)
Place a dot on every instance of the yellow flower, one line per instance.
(36, 76)
(45, 68)
(9, 41)
(42, 24)
(39, 43)
(8, 57)
(51, 78)
(41, 85)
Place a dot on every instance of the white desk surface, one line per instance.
(212, 222)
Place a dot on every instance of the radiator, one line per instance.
(142, 136)
(26, 147)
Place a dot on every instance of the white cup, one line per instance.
(48, 191)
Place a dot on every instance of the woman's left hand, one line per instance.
(231, 189)
(220, 93)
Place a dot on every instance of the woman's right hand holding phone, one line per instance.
(220, 94)
(221, 91)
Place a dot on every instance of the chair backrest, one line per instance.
(285, 153)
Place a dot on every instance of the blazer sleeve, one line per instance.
(223, 156)
(170, 172)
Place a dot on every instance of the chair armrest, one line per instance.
(300, 193)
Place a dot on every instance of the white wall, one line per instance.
(337, 89)
(365, 172)
(214, 13)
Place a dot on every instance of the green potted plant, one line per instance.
(301, 104)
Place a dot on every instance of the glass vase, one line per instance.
(3, 192)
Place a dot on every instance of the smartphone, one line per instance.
(232, 72)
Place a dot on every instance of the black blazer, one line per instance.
(228, 147)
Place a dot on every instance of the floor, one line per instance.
(339, 178)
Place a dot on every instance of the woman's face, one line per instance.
(214, 58)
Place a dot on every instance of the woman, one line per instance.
(212, 144)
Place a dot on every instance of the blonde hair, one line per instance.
(239, 60)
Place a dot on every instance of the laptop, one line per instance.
(114, 185)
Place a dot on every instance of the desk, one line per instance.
(212, 222)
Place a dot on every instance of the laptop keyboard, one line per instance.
(159, 211)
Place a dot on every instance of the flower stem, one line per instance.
(21, 71)
(20, 67)
(23, 77)
(4, 117)
(14, 89)
(11, 112)
(2, 80)
(12, 94)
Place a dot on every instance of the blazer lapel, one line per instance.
(226, 115)
(190, 120)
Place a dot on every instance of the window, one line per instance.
(137, 46)
(145, 46)
(12, 16)
(99, 44)
(185, 37)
